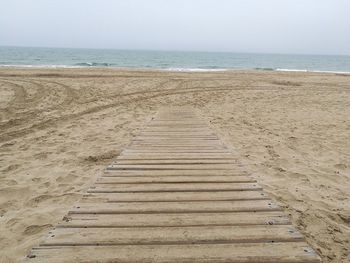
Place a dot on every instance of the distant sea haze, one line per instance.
(168, 60)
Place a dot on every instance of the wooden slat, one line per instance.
(177, 148)
(238, 171)
(169, 144)
(179, 130)
(171, 235)
(173, 132)
(175, 156)
(173, 166)
(176, 141)
(173, 187)
(170, 220)
(176, 196)
(176, 145)
(176, 151)
(167, 138)
(182, 139)
(176, 207)
(186, 136)
(290, 252)
(175, 179)
(174, 161)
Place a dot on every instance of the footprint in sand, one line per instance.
(35, 229)
(341, 166)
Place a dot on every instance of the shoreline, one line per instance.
(194, 70)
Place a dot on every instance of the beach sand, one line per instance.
(60, 127)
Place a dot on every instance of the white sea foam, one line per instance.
(196, 69)
(291, 70)
(316, 71)
(38, 66)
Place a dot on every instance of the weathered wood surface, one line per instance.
(176, 194)
(175, 179)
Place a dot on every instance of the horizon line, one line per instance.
(175, 50)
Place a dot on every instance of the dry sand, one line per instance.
(59, 128)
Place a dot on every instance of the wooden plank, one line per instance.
(180, 149)
(173, 131)
(176, 128)
(173, 166)
(177, 156)
(185, 135)
(174, 161)
(200, 132)
(174, 138)
(192, 120)
(174, 151)
(189, 126)
(174, 179)
(188, 136)
(169, 142)
(177, 141)
(289, 252)
(171, 235)
(175, 196)
(166, 138)
(173, 187)
(193, 145)
(176, 207)
(177, 148)
(170, 220)
(176, 135)
(237, 171)
(181, 129)
(178, 144)
(192, 123)
(184, 138)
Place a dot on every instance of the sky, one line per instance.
(263, 26)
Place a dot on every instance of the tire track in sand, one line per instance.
(126, 98)
(28, 110)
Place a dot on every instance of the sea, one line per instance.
(168, 60)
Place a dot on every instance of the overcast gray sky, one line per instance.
(272, 26)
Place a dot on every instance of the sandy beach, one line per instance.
(59, 128)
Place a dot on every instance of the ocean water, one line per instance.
(168, 60)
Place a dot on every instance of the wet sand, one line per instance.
(59, 128)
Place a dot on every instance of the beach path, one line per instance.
(176, 194)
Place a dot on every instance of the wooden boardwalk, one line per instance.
(177, 194)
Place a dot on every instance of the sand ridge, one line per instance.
(59, 128)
